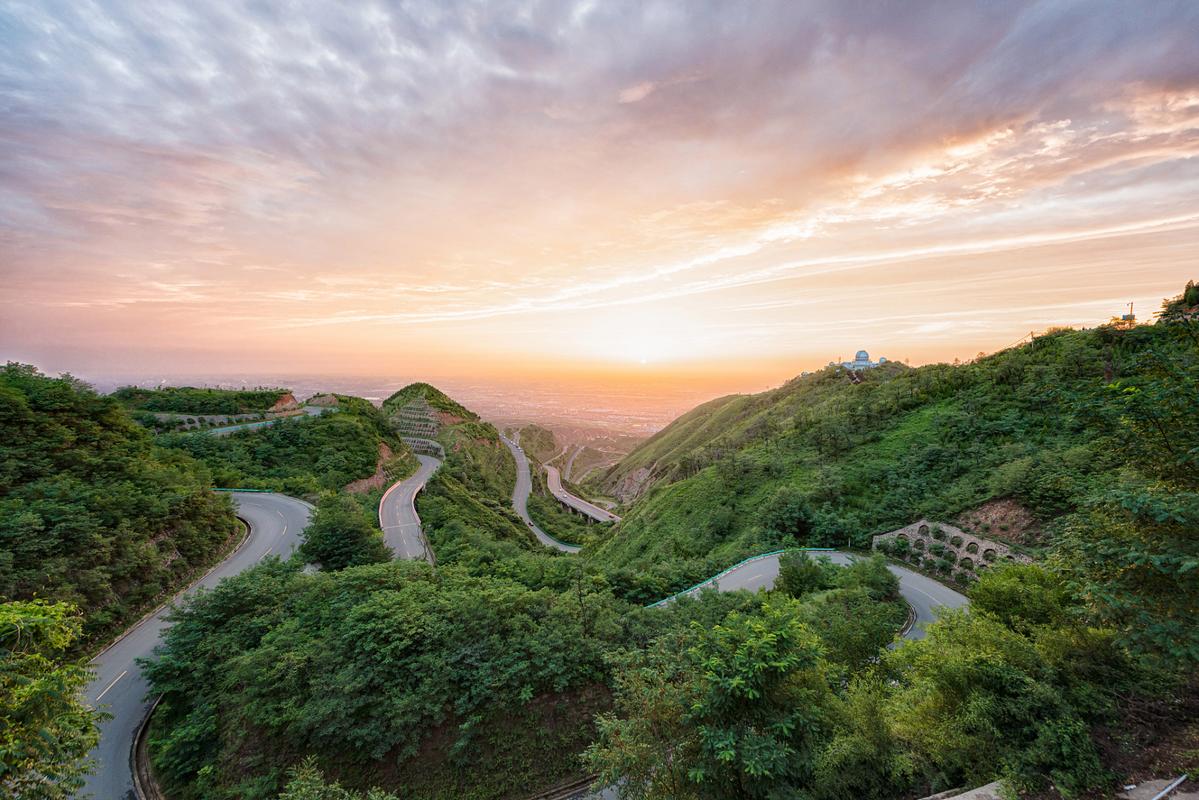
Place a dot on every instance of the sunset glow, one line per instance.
(585, 189)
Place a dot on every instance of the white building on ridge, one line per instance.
(861, 361)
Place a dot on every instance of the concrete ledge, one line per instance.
(144, 784)
(992, 791)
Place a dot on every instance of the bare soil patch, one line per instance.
(1005, 520)
(376, 481)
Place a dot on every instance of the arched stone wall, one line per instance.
(971, 554)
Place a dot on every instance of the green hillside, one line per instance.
(445, 684)
(538, 442)
(301, 455)
(92, 512)
(190, 400)
(825, 461)
(697, 427)
(436, 399)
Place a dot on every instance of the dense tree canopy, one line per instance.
(189, 400)
(1132, 551)
(361, 667)
(296, 456)
(46, 731)
(340, 536)
(91, 512)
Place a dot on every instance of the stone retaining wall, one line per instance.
(934, 541)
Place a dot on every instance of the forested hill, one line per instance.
(538, 442)
(466, 509)
(305, 455)
(190, 400)
(478, 678)
(91, 511)
(1009, 444)
(436, 399)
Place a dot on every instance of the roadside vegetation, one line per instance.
(769, 702)
(442, 683)
(364, 671)
(92, 512)
(45, 729)
(190, 400)
(822, 461)
(301, 456)
(553, 518)
(340, 535)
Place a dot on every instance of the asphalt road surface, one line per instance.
(554, 482)
(398, 517)
(520, 499)
(119, 687)
(570, 462)
(923, 594)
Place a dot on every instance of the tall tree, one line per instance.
(1133, 554)
(738, 713)
(339, 536)
(45, 729)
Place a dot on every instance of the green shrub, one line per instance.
(870, 574)
(976, 699)
(800, 574)
(341, 536)
(787, 516)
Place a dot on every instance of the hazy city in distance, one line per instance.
(641, 411)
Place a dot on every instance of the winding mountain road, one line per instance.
(570, 462)
(398, 517)
(554, 482)
(922, 593)
(275, 524)
(118, 687)
(520, 498)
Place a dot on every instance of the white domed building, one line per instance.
(861, 361)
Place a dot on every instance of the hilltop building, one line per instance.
(1124, 321)
(861, 361)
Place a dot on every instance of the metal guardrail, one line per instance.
(145, 787)
(1169, 789)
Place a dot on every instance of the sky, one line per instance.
(716, 193)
